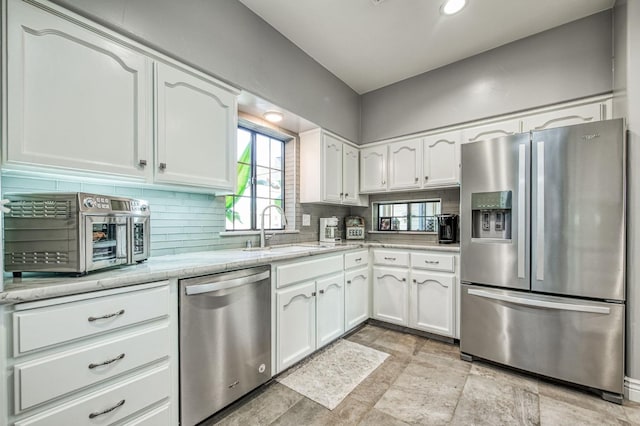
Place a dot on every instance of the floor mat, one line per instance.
(330, 376)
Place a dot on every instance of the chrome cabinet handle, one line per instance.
(321, 291)
(358, 259)
(389, 258)
(432, 262)
(346, 194)
(163, 166)
(313, 293)
(107, 316)
(107, 362)
(108, 410)
(404, 279)
(142, 163)
(426, 178)
(342, 194)
(348, 281)
(417, 179)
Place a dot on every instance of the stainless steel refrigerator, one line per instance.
(542, 252)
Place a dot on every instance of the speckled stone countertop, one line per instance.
(44, 286)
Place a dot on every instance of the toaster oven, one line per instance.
(74, 232)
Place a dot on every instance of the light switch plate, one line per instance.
(306, 220)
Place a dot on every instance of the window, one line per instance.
(260, 182)
(414, 216)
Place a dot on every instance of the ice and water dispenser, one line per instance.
(491, 215)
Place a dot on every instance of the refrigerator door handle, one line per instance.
(521, 208)
(540, 213)
(540, 303)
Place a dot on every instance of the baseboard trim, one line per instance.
(632, 389)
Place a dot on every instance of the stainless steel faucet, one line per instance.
(284, 220)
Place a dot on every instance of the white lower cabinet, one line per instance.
(432, 302)
(356, 297)
(296, 323)
(390, 294)
(416, 289)
(309, 307)
(123, 369)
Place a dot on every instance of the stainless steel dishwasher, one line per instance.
(225, 339)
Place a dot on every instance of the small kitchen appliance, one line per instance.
(354, 228)
(447, 228)
(329, 230)
(74, 232)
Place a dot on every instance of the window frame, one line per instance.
(378, 221)
(252, 182)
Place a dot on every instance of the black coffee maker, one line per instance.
(447, 228)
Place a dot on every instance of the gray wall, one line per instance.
(627, 103)
(224, 38)
(567, 62)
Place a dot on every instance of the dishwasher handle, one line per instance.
(223, 285)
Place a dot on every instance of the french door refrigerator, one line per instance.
(542, 251)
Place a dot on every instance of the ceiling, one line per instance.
(370, 44)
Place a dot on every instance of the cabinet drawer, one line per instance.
(390, 257)
(44, 379)
(41, 327)
(433, 262)
(161, 416)
(308, 270)
(356, 258)
(109, 405)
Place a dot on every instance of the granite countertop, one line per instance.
(37, 286)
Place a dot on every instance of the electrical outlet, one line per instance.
(306, 220)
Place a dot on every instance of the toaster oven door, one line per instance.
(140, 238)
(106, 241)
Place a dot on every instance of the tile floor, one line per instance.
(425, 382)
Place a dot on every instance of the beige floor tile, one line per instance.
(560, 413)
(369, 391)
(350, 411)
(505, 376)
(306, 412)
(579, 398)
(367, 334)
(397, 343)
(378, 418)
(632, 410)
(424, 394)
(441, 349)
(491, 400)
(262, 409)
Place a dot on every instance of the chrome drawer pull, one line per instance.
(359, 259)
(108, 410)
(107, 362)
(115, 314)
(389, 258)
(433, 262)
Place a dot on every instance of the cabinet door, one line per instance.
(296, 323)
(76, 100)
(373, 169)
(491, 131)
(432, 302)
(196, 131)
(441, 160)
(332, 170)
(390, 294)
(567, 116)
(404, 164)
(350, 177)
(356, 297)
(330, 309)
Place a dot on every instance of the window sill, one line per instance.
(245, 233)
(403, 232)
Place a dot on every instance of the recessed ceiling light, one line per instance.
(273, 116)
(451, 7)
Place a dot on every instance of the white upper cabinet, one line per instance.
(405, 168)
(441, 159)
(373, 169)
(328, 170)
(492, 130)
(350, 176)
(567, 116)
(76, 99)
(196, 123)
